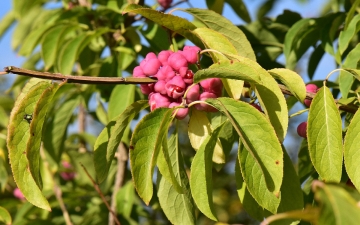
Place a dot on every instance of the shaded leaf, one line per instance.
(5, 216)
(240, 9)
(305, 166)
(145, 145)
(314, 60)
(348, 33)
(201, 176)
(110, 137)
(346, 80)
(324, 134)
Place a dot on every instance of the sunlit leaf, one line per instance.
(324, 134)
(259, 139)
(145, 145)
(5, 216)
(346, 80)
(351, 150)
(121, 97)
(6, 21)
(347, 34)
(201, 176)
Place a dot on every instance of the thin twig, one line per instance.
(96, 186)
(122, 157)
(132, 80)
(79, 79)
(57, 190)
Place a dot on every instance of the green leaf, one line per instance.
(17, 138)
(346, 80)
(324, 134)
(125, 199)
(215, 6)
(330, 26)
(198, 130)
(36, 131)
(347, 34)
(51, 43)
(240, 9)
(351, 150)
(314, 60)
(56, 128)
(5, 216)
(201, 175)
(254, 177)
(259, 139)
(225, 27)
(305, 166)
(110, 137)
(178, 208)
(145, 145)
(337, 205)
(298, 39)
(171, 22)
(291, 80)
(101, 112)
(121, 97)
(6, 21)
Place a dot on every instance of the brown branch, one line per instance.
(79, 79)
(122, 157)
(129, 80)
(97, 188)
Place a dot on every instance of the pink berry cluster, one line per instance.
(174, 78)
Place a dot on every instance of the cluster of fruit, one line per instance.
(301, 129)
(175, 79)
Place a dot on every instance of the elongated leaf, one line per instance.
(171, 22)
(55, 131)
(121, 97)
(345, 79)
(220, 24)
(258, 136)
(291, 80)
(36, 131)
(6, 21)
(240, 9)
(351, 150)
(145, 145)
(51, 43)
(110, 137)
(324, 134)
(17, 138)
(201, 176)
(5, 216)
(254, 177)
(178, 208)
(329, 30)
(298, 39)
(337, 205)
(347, 34)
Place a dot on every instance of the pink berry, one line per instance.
(193, 94)
(147, 88)
(165, 3)
(151, 67)
(157, 100)
(177, 60)
(165, 73)
(67, 175)
(213, 85)
(164, 56)
(310, 88)
(258, 107)
(138, 72)
(18, 194)
(204, 106)
(175, 87)
(160, 87)
(188, 76)
(301, 129)
(181, 113)
(191, 53)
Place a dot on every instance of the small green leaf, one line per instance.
(101, 112)
(336, 205)
(347, 34)
(17, 138)
(6, 21)
(56, 128)
(201, 175)
(324, 134)
(110, 137)
(178, 208)
(240, 9)
(346, 80)
(259, 138)
(220, 24)
(298, 39)
(121, 97)
(36, 131)
(145, 145)
(5, 216)
(351, 150)
(291, 80)
(329, 30)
